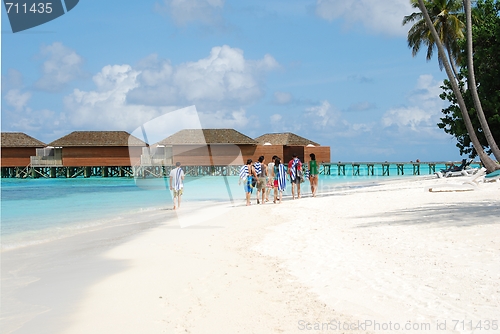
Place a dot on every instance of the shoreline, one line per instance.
(275, 263)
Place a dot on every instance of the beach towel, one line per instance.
(281, 178)
(258, 168)
(294, 172)
(178, 179)
(306, 173)
(243, 172)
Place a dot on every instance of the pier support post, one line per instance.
(355, 169)
(53, 172)
(416, 169)
(370, 169)
(385, 169)
(432, 168)
(401, 169)
(341, 169)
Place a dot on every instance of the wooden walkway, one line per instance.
(144, 171)
(383, 168)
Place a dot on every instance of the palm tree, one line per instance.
(445, 16)
(487, 161)
(473, 87)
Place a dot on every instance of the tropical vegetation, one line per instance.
(440, 24)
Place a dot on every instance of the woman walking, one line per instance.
(247, 175)
(313, 174)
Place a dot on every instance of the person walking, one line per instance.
(313, 174)
(176, 181)
(296, 175)
(270, 177)
(261, 171)
(279, 180)
(248, 176)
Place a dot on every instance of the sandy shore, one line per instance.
(394, 255)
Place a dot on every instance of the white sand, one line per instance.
(389, 254)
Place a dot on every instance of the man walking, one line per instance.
(295, 172)
(176, 183)
(261, 171)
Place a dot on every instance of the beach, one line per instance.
(389, 257)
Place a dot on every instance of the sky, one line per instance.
(337, 72)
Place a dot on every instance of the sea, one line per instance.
(35, 211)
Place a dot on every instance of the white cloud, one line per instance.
(224, 119)
(376, 16)
(12, 80)
(321, 115)
(407, 117)
(207, 12)
(61, 66)
(276, 118)
(127, 96)
(106, 108)
(16, 99)
(423, 111)
(282, 97)
(225, 76)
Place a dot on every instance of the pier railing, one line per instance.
(384, 168)
(50, 167)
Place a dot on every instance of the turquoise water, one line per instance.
(36, 210)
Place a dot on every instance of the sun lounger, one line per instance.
(493, 176)
(468, 185)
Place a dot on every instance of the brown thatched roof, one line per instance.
(98, 138)
(207, 136)
(19, 139)
(287, 138)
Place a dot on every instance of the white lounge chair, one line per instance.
(478, 177)
(468, 185)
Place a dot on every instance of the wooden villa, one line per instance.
(285, 145)
(117, 153)
(17, 148)
(210, 151)
(92, 153)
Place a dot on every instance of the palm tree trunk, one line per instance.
(453, 67)
(487, 162)
(472, 85)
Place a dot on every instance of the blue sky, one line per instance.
(337, 72)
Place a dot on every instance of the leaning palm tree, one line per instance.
(473, 87)
(487, 161)
(446, 19)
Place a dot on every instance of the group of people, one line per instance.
(264, 177)
(273, 176)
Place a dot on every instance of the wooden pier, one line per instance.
(383, 168)
(51, 169)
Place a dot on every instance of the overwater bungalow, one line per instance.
(99, 148)
(17, 148)
(104, 153)
(286, 144)
(210, 147)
